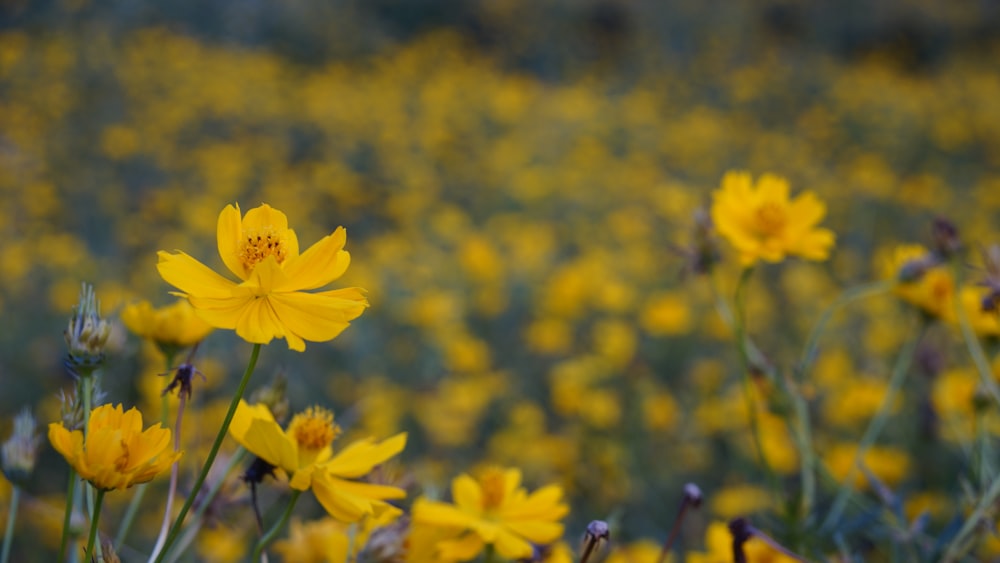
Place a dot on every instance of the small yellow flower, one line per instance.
(764, 224)
(319, 541)
(495, 509)
(117, 453)
(921, 280)
(304, 451)
(719, 548)
(175, 325)
(271, 300)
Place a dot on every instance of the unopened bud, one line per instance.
(20, 451)
(86, 334)
(274, 397)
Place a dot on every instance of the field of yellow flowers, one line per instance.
(499, 281)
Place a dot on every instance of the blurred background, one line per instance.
(518, 180)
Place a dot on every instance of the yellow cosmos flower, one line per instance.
(320, 541)
(117, 453)
(175, 325)
(271, 300)
(921, 280)
(764, 224)
(304, 451)
(495, 509)
(719, 548)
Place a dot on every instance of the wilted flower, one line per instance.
(764, 224)
(271, 300)
(116, 453)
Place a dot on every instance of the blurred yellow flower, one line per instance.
(319, 541)
(494, 509)
(764, 224)
(304, 451)
(271, 300)
(117, 453)
(175, 325)
(719, 548)
(920, 280)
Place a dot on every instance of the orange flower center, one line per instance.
(494, 486)
(258, 244)
(313, 428)
(769, 219)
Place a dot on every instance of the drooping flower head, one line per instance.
(305, 453)
(764, 224)
(172, 327)
(494, 509)
(117, 453)
(270, 300)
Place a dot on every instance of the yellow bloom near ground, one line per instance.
(762, 223)
(304, 451)
(271, 300)
(117, 453)
(494, 509)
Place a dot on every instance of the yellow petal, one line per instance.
(221, 313)
(254, 428)
(314, 317)
(441, 514)
(360, 457)
(258, 322)
(322, 263)
(510, 546)
(228, 235)
(192, 277)
(467, 494)
(265, 217)
(340, 504)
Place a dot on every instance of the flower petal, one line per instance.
(360, 457)
(322, 263)
(314, 317)
(192, 277)
(265, 217)
(228, 234)
(254, 428)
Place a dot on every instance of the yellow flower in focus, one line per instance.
(304, 451)
(494, 509)
(764, 224)
(175, 325)
(271, 299)
(320, 541)
(117, 453)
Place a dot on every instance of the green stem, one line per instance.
(68, 516)
(957, 547)
(278, 526)
(8, 536)
(808, 456)
(899, 372)
(90, 553)
(489, 553)
(844, 299)
(87, 383)
(179, 521)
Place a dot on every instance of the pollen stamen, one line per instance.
(314, 428)
(259, 244)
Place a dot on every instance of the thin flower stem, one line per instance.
(264, 541)
(8, 536)
(140, 493)
(844, 299)
(87, 384)
(976, 351)
(90, 553)
(739, 321)
(899, 372)
(179, 521)
(174, 470)
(67, 517)
(489, 554)
(958, 547)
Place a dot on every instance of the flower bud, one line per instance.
(86, 334)
(20, 451)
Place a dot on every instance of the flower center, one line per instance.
(770, 219)
(313, 428)
(258, 244)
(494, 486)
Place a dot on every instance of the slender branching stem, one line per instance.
(267, 538)
(8, 535)
(90, 552)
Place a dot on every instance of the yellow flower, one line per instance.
(764, 224)
(175, 325)
(304, 451)
(494, 509)
(271, 300)
(920, 280)
(116, 453)
(719, 548)
(320, 541)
